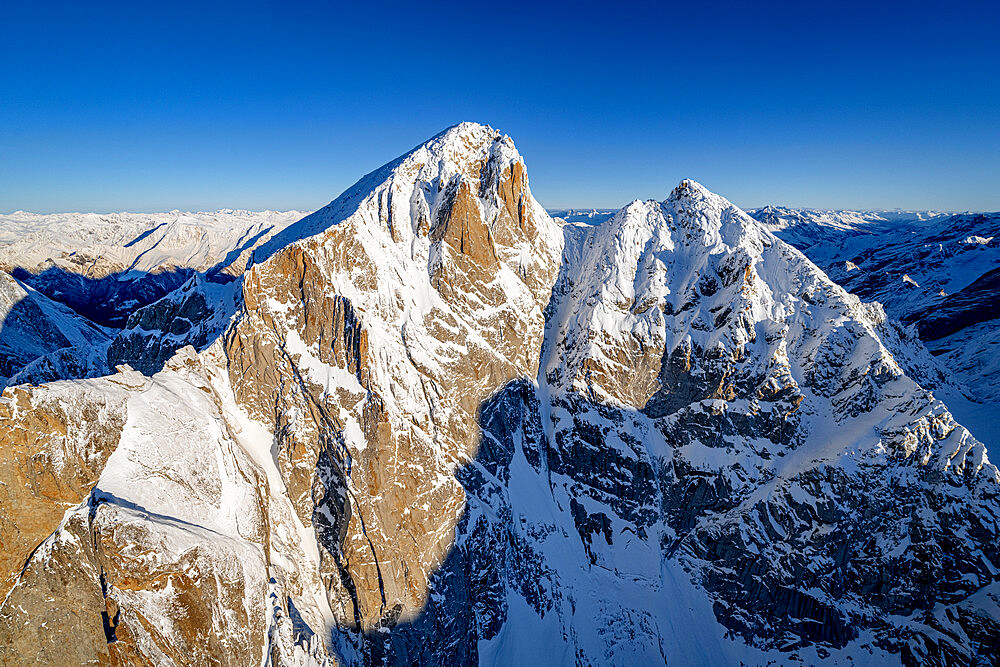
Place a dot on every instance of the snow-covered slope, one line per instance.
(43, 340)
(106, 266)
(938, 272)
(441, 427)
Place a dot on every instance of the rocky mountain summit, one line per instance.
(430, 424)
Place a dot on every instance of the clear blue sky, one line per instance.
(154, 106)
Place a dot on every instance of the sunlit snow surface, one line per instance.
(139, 242)
(935, 271)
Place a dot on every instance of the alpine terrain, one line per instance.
(431, 424)
(936, 272)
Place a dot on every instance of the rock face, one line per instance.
(162, 561)
(431, 425)
(53, 446)
(371, 346)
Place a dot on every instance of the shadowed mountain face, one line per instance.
(429, 424)
(107, 301)
(41, 339)
(44, 339)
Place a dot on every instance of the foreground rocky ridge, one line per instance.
(429, 424)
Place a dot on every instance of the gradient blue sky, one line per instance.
(155, 106)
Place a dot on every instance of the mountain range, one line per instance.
(431, 423)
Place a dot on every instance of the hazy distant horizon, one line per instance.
(550, 209)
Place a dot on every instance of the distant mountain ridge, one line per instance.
(590, 216)
(106, 266)
(106, 270)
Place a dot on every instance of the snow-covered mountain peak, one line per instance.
(460, 151)
(382, 323)
(409, 195)
(706, 219)
(690, 189)
(691, 196)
